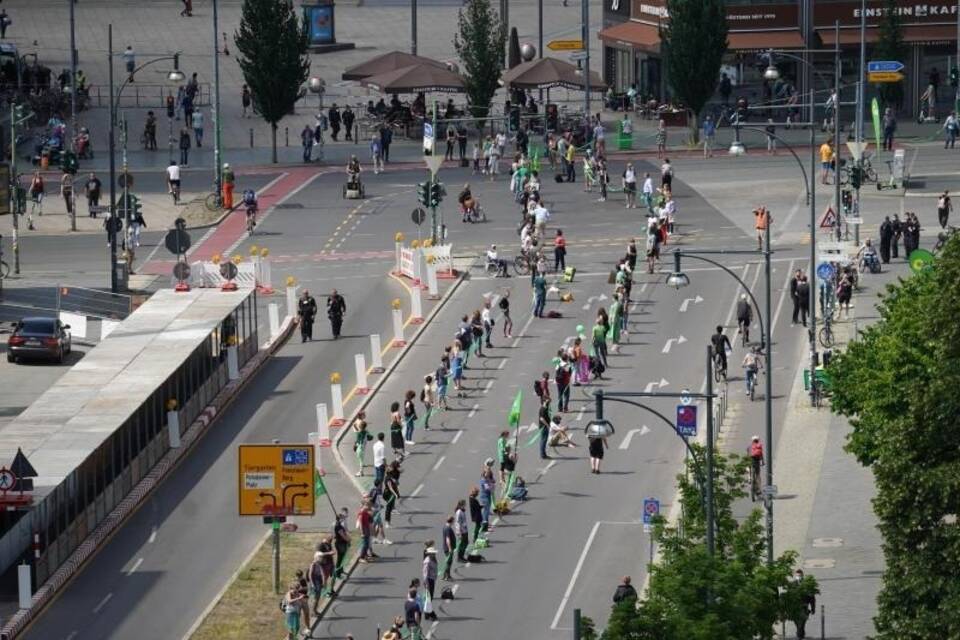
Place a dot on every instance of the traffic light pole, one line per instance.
(217, 151)
(436, 233)
(73, 107)
(111, 228)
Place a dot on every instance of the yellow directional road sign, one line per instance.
(885, 76)
(565, 45)
(276, 479)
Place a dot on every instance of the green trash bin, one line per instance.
(624, 141)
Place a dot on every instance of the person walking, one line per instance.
(944, 207)
(137, 225)
(380, 457)
(333, 117)
(396, 431)
(336, 308)
(348, 117)
(709, 135)
(826, 161)
(795, 295)
(476, 512)
(803, 293)
(543, 426)
(886, 235)
(197, 123)
(187, 9)
(951, 127)
(661, 139)
(376, 153)
(889, 128)
(761, 217)
(666, 176)
(597, 445)
(184, 147)
(246, 100)
(92, 188)
(306, 141)
(429, 578)
(625, 591)
(306, 312)
(449, 547)
(66, 190)
(130, 62)
(386, 139)
(37, 191)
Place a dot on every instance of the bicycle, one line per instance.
(175, 193)
(755, 490)
(826, 333)
(719, 370)
(214, 200)
(743, 328)
(751, 376)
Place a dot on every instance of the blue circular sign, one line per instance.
(825, 271)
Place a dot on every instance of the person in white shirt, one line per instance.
(379, 458)
(494, 258)
(540, 217)
(630, 186)
(487, 319)
(667, 212)
(173, 179)
(526, 239)
(599, 138)
(648, 191)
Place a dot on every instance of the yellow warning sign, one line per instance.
(276, 479)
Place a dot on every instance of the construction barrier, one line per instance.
(398, 340)
(442, 260)
(416, 306)
(207, 274)
(409, 266)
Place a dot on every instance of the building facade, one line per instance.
(631, 38)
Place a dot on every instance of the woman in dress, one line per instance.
(581, 363)
(613, 332)
(391, 490)
(456, 366)
(597, 445)
(396, 431)
(360, 444)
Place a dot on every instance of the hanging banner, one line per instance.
(875, 112)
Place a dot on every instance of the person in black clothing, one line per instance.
(744, 316)
(625, 591)
(476, 512)
(333, 117)
(449, 548)
(522, 141)
(886, 235)
(348, 117)
(803, 292)
(897, 228)
(386, 137)
(544, 425)
(92, 188)
(341, 540)
(336, 307)
(307, 311)
(462, 141)
(795, 296)
(720, 344)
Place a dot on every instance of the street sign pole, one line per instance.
(435, 231)
(585, 36)
(111, 230)
(276, 555)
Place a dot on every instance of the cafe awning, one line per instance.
(417, 78)
(547, 73)
(635, 35)
(386, 62)
(761, 40)
(912, 34)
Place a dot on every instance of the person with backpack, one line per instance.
(541, 387)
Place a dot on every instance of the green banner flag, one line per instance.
(319, 489)
(514, 418)
(875, 112)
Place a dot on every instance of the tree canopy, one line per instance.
(479, 43)
(898, 383)
(273, 47)
(890, 46)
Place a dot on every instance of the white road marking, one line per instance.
(650, 385)
(487, 388)
(573, 578)
(686, 303)
(73, 634)
(671, 341)
(433, 628)
(644, 430)
(153, 535)
(502, 364)
(473, 411)
(419, 488)
(456, 436)
(439, 462)
(103, 602)
(580, 413)
(547, 468)
(644, 287)
(136, 565)
(783, 296)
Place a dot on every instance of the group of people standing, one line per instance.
(891, 232)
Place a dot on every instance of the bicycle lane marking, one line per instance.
(234, 227)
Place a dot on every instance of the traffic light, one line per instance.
(171, 107)
(129, 206)
(514, 118)
(855, 177)
(69, 162)
(846, 199)
(954, 77)
(423, 193)
(436, 194)
(552, 117)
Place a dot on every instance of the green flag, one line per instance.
(875, 113)
(514, 418)
(319, 489)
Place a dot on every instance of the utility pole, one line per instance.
(585, 36)
(812, 271)
(16, 118)
(217, 165)
(861, 103)
(73, 106)
(413, 27)
(836, 121)
(112, 233)
(768, 388)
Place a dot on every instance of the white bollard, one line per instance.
(323, 425)
(24, 586)
(273, 311)
(233, 363)
(433, 288)
(173, 429)
(398, 340)
(399, 249)
(336, 399)
(360, 364)
(416, 306)
(376, 351)
(265, 276)
(417, 275)
(292, 302)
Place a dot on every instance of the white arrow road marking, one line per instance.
(528, 427)
(580, 413)
(659, 385)
(591, 300)
(627, 438)
(671, 341)
(687, 301)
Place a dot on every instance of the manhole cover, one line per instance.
(827, 542)
(288, 205)
(819, 563)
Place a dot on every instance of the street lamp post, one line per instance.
(679, 279)
(738, 149)
(217, 151)
(601, 427)
(174, 75)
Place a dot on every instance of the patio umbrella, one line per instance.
(385, 62)
(416, 78)
(547, 73)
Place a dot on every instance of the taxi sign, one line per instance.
(276, 479)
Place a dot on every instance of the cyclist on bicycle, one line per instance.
(250, 202)
(720, 344)
(751, 366)
(744, 316)
(494, 258)
(353, 171)
(755, 450)
(173, 180)
(468, 204)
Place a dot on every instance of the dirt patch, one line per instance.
(249, 609)
(197, 214)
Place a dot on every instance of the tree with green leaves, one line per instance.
(273, 58)
(890, 46)
(898, 385)
(694, 40)
(479, 43)
(733, 594)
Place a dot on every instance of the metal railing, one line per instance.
(145, 96)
